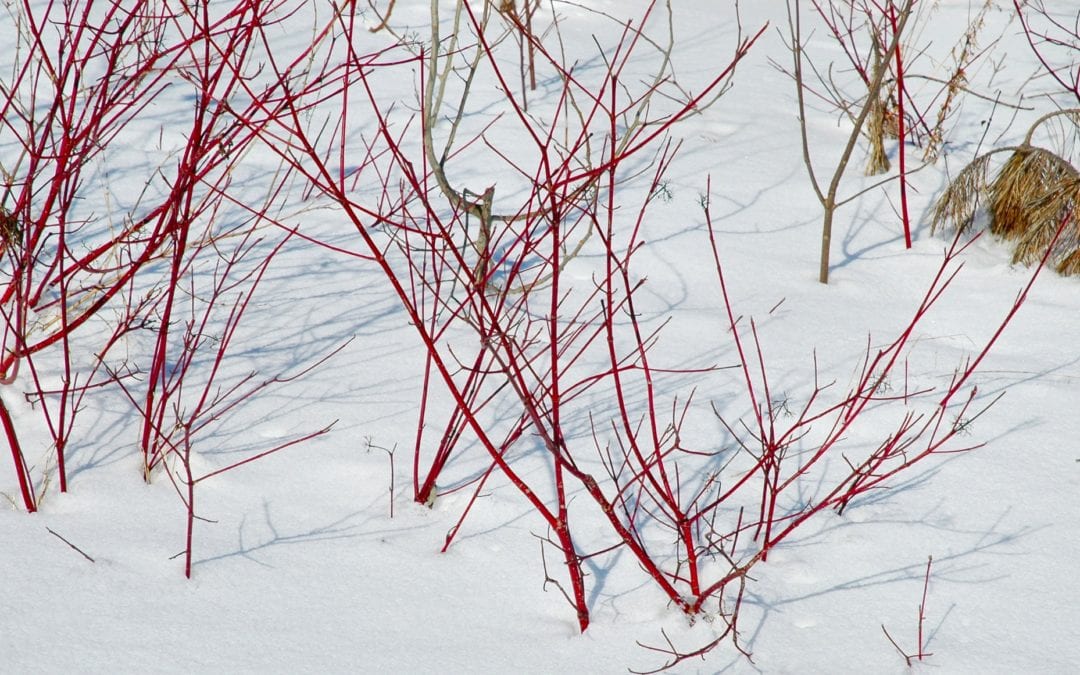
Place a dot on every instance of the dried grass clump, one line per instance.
(1045, 217)
(1032, 193)
(10, 229)
(1027, 190)
(878, 161)
(957, 204)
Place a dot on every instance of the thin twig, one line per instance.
(61, 538)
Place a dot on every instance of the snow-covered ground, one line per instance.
(299, 566)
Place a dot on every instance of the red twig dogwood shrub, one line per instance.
(81, 72)
(524, 289)
(481, 277)
(169, 271)
(785, 472)
(1054, 38)
(490, 277)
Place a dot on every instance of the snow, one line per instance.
(299, 566)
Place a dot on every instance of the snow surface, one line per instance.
(300, 568)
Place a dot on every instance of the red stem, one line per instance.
(25, 482)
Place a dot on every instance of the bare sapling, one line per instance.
(883, 56)
(885, 47)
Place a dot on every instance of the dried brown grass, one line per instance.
(1027, 200)
(957, 205)
(878, 161)
(10, 229)
(1045, 217)
(1028, 191)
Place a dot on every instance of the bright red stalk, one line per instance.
(901, 132)
(25, 482)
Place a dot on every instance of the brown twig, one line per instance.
(73, 546)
